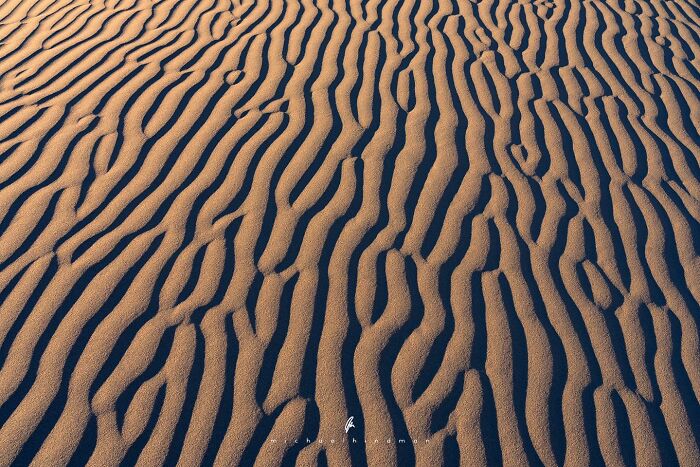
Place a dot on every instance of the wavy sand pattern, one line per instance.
(471, 224)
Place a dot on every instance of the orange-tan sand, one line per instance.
(347, 232)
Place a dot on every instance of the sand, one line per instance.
(325, 232)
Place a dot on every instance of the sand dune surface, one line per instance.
(346, 232)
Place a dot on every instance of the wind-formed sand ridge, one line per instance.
(228, 225)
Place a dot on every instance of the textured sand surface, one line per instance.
(228, 225)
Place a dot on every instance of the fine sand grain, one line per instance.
(229, 226)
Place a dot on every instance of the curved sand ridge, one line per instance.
(228, 224)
